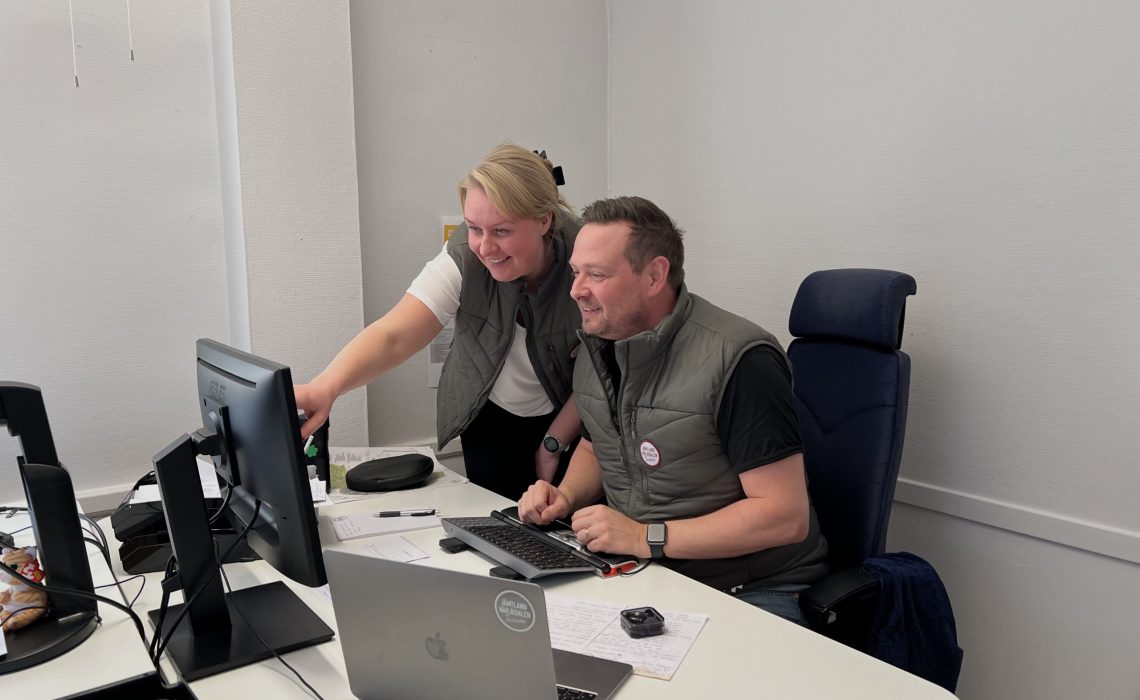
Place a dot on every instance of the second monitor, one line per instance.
(250, 429)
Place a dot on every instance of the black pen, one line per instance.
(404, 513)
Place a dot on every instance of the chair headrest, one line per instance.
(863, 305)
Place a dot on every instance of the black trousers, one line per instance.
(499, 449)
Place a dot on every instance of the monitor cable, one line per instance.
(190, 600)
(265, 644)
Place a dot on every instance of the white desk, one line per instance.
(113, 652)
(742, 651)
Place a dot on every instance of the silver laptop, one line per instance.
(412, 631)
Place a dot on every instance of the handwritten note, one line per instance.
(594, 628)
(349, 527)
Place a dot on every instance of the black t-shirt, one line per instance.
(757, 422)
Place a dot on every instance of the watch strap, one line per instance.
(657, 546)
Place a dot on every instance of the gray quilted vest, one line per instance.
(485, 327)
(656, 437)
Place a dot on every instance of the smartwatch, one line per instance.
(552, 444)
(656, 535)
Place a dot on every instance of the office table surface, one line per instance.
(741, 650)
(113, 652)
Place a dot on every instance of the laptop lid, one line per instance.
(415, 631)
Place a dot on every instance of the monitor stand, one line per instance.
(45, 639)
(214, 636)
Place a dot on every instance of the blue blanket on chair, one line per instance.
(914, 626)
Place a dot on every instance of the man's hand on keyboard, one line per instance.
(542, 504)
(603, 529)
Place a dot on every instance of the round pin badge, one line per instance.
(649, 453)
(514, 611)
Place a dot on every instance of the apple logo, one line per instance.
(436, 647)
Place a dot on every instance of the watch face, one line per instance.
(656, 533)
(551, 444)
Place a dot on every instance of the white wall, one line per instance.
(992, 150)
(437, 85)
(111, 249)
(292, 160)
(206, 189)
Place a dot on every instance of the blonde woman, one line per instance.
(504, 277)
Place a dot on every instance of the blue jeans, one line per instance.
(778, 600)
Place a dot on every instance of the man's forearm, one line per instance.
(582, 484)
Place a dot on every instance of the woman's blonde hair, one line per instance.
(519, 183)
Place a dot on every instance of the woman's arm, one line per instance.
(387, 342)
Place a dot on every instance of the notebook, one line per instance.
(415, 631)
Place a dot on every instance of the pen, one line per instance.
(404, 513)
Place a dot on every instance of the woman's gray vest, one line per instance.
(656, 436)
(485, 328)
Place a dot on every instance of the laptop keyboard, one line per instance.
(519, 544)
(565, 693)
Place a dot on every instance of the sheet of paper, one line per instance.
(317, 488)
(148, 493)
(394, 549)
(349, 527)
(574, 622)
(209, 477)
(325, 593)
(345, 458)
(594, 628)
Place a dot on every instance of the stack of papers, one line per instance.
(593, 628)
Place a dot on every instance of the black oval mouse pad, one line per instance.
(390, 473)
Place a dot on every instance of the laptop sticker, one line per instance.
(514, 611)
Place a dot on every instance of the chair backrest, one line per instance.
(851, 387)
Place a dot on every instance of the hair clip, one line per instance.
(555, 170)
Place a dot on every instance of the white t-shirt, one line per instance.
(517, 388)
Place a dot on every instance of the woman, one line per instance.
(504, 276)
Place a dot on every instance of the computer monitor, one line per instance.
(250, 428)
(60, 548)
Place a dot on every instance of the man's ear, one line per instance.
(658, 269)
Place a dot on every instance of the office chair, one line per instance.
(851, 384)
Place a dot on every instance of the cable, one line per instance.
(98, 531)
(203, 585)
(4, 620)
(127, 580)
(263, 642)
(60, 590)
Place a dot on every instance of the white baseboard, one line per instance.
(1100, 538)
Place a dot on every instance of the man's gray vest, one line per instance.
(485, 328)
(656, 436)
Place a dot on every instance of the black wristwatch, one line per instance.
(656, 536)
(552, 444)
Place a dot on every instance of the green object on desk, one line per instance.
(336, 476)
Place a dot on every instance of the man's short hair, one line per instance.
(651, 233)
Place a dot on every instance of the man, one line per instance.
(689, 426)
